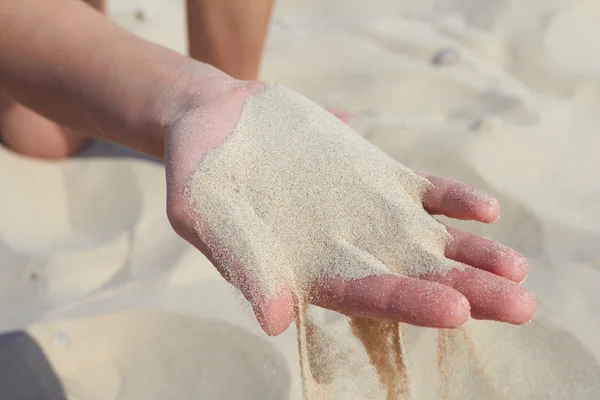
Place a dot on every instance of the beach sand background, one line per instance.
(502, 94)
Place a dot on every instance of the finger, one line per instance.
(257, 267)
(342, 116)
(396, 298)
(275, 314)
(490, 296)
(487, 255)
(273, 308)
(457, 200)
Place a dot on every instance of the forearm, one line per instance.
(71, 64)
(229, 34)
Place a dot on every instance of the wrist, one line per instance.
(189, 86)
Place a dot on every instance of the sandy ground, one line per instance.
(116, 306)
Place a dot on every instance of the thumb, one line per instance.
(246, 253)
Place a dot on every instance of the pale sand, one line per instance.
(115, 357)
(516, 116)
(296, 197)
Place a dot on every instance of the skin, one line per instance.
(228, 35)
(115, 86)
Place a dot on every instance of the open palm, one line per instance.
(486, 286)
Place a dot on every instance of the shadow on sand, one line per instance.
(25, 373)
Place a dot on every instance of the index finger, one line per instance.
(457, 200)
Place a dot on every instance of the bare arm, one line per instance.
(71, 64)
(229, 34)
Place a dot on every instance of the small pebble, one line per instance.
(140, 15)
(445, 57)
(483, 124)
(61, 339)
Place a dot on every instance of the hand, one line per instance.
(485, 288)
